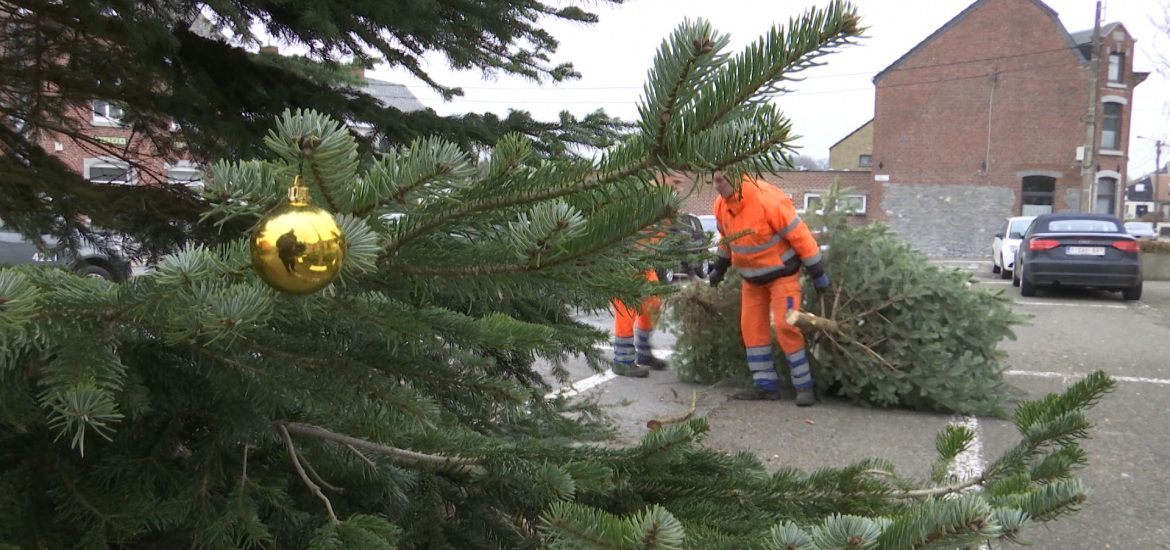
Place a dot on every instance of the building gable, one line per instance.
(960, 18)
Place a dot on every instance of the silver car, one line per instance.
(87, 260)
(1142, 230)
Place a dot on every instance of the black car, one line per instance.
(1079, 250)
(694, 241)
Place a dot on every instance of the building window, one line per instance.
(1111, 127)
(106, 113)
(112, 172)
(1116, 68)
(865, 161)
(1106, 195)
(851, 204)
(1036, 194)
(185, 174)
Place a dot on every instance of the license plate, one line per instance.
(1085, 251)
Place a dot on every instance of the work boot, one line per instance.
(756, 394)
(633, 371)
(652, 362)
(805, 397)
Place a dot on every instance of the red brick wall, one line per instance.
(932, 111)
(149, 166)
(699, 196)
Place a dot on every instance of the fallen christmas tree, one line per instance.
(196, 407)
(892, 330)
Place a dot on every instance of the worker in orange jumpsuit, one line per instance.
(768, 257)
(632, 331)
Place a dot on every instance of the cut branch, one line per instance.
(406, 456)
(808, 321)
(657, 423)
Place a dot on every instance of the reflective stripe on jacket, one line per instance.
(776, 242)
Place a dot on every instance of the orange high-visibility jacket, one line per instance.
(777, 242)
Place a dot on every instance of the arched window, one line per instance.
(1106, 196)
(1111, 127)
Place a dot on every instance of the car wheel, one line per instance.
(1026, 289)
(701, 270)
(1133, 293)
(994, 266)
(1005, 273)
(1016, 277)
(666, 276)
(96, 272)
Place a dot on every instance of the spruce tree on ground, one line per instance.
(400, 407)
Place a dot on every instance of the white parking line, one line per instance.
(969, 463)
(1066, 304)
(1066, 376)
(585, 384)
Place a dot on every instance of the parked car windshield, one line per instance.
(1082, 226)
(708, 223)
(1017, 228)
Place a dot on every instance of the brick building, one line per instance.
(118, 156)
(805, 187)
(854, 151)
(983, 120)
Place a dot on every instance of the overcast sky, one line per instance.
(614, 55)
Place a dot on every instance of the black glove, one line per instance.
(821, 283)
(719, 270)
(716, 277)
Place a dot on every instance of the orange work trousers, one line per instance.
(759, 304)
(627, 321)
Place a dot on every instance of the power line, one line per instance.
(812, 77)
(788, 94)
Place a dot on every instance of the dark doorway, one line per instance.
(1036, 195)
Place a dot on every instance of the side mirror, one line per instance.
(999, 235)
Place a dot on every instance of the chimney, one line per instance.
(274, 50)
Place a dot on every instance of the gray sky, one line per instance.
(615, 54)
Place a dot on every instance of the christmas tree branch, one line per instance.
(509, 201)
(292, 453)
(454, 463)
(361, 455)
(317, 477)
(941, 490)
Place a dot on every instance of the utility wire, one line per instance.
(812, 77)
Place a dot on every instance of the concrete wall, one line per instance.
(1155, 267)
(947, 220)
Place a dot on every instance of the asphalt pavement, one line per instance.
(1070, 334)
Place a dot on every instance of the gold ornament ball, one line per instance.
(298, 248)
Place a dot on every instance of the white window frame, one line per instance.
(188, 167)
(104, 117)
(108, 162)
(1120, 68)
(1116, 132)
(858, 212)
